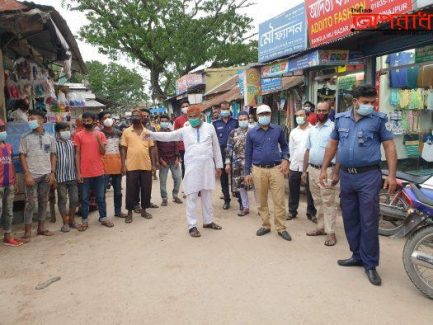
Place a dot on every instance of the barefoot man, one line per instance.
(202, 158)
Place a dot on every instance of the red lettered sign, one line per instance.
(329, 20)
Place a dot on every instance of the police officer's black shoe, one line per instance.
(350, 262)
(226, 205)
(292, 216)
(373, 277)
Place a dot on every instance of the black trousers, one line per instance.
(295, 188)
(225, 186)
(138, 181)
(182, 156)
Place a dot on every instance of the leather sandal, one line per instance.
(317, 232)
(331, 240)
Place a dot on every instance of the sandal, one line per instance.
(74, 225)
(45, 232)
(83, 227)
(12, 242)
(128, 218)
(146, 215)
(65, 228)
(212, 225)
(194, 232)
(331, 240)
(107, 223)
(317, 232)
(26, 238)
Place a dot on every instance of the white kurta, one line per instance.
(202, 155)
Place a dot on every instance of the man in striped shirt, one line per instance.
(66, 176)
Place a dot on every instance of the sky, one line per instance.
(260, 12)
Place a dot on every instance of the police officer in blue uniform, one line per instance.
(223, 127)
(356, 140)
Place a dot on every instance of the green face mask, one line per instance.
(194, 122)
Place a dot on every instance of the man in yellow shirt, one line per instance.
(137, 165)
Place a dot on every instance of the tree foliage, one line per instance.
(123, 87)
(169, 37)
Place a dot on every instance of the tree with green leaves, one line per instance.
(170, 37)
(123, 87)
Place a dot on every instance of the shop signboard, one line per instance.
(329, 20)
(346, 82)
(283, 35)
(271, 84)
(188, 81)
(252, 86)
(275, 70)
(304, 62)
(424, 54)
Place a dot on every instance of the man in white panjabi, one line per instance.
(202, 161)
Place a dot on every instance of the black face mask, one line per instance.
(88, 126)
(136, 120)
(145, 120)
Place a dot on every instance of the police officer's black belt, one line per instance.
(269, 166)
(358, 170)
(320, 167)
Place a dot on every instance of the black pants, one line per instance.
(295, 187)
(182, 156)
(225, 186)
(138, 181)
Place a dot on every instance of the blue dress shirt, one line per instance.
(224, 129)
(265, 147)
(359, 142)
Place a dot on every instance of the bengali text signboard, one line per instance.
(271, 84)
(283, 35)
(329, 20)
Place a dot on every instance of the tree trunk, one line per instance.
(157, 92)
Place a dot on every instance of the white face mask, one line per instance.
(109, 122)
(185, 110)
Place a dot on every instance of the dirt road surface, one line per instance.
(152, 272)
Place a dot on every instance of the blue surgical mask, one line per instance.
(264, 120)
(300, 120)
(365, 109)
(165, 125)
(243, 124)
(33, 124)
(225, 113)
(65, 135)
(3, 136)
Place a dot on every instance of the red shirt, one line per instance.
(7, 175)
(178, 124)
(312, 118)
(91, 164)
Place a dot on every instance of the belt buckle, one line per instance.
(352, 170)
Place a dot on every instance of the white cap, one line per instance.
(263, 109)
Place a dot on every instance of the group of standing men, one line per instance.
(318, 156)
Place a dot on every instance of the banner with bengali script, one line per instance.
(187, 81)
(271, 84)
(329, 20)
(283, 35)
(275, 70)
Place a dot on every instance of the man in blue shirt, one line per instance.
(357, 137)
(223, 127)
(266, 162)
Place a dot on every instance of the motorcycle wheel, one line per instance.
(392, 213)
(421, 276)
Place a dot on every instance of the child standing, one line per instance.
(7, 188)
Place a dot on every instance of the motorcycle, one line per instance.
(393, 207)
(418, 228)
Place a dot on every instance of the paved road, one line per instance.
(152, 272)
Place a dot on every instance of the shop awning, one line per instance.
(232, 94)
(44, 30)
